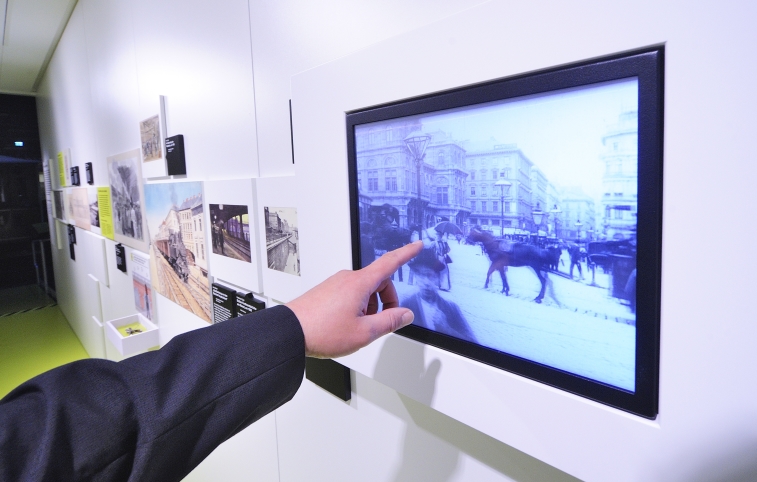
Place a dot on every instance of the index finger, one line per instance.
(390, 262)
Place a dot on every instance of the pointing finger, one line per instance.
(390, 262)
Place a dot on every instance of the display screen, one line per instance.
(528, 207)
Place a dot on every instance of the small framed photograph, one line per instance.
(80, 207)
(93, 210)
(152, 141)
(234, 241)
(152, 134)
(279, 237)
(128, 200)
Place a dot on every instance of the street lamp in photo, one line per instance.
(538, 215)
(416, 143)
(555, 211)
(578, 230)
(504, 188)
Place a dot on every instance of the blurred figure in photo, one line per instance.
(431, 310)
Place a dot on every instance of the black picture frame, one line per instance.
(89, 172)
(75, 180)
(647, 65)
(121, 257)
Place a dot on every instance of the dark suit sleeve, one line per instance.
(154, 416)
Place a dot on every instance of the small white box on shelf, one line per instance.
(134, 343)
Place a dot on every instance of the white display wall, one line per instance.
(225, 71)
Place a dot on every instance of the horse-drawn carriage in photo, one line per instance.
(618, 259)
(507, 252)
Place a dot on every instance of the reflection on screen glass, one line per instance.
(527, 210)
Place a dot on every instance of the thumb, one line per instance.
(387, 321)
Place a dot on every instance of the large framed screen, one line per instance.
(539, 202)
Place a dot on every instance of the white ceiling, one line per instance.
(29, 33)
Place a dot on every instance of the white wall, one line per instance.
(291, 36)
(226, 70)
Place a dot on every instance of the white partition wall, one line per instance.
(469, 48)
(228, 71)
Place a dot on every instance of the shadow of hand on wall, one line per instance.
(434, 444)
(425, 456)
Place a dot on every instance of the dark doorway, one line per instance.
(23, 211)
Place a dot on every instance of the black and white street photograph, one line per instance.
(230, 231)
(94, 209)
(126, 197)
(282, 239)
(527, 210)
(59, 205)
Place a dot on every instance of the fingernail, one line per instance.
(407, 318)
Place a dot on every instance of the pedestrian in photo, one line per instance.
(133, 220)
(430, 309)
(415, 235)
(220, 236)
(574, 251)
(442, 252)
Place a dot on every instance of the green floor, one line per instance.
(33, 342)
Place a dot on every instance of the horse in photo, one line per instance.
(503, 254)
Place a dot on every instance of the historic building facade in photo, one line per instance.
(578, 215)
(504, 207)
(388, 173)
(192, 231)
(620, 181)
(489, 184)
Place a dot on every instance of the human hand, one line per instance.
(340, 315)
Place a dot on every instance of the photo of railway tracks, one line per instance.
(178, 258)
(230, 231)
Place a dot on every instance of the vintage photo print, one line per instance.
(127, 200)
(178, 258)
(139, 265)
(230, 231)
(94, 210)
(527, 210)
(59, 205)
(80, 207)
(152, 143)
(282, 239)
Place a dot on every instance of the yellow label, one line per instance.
(106, 214)
(131, 329)
(61, 169)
